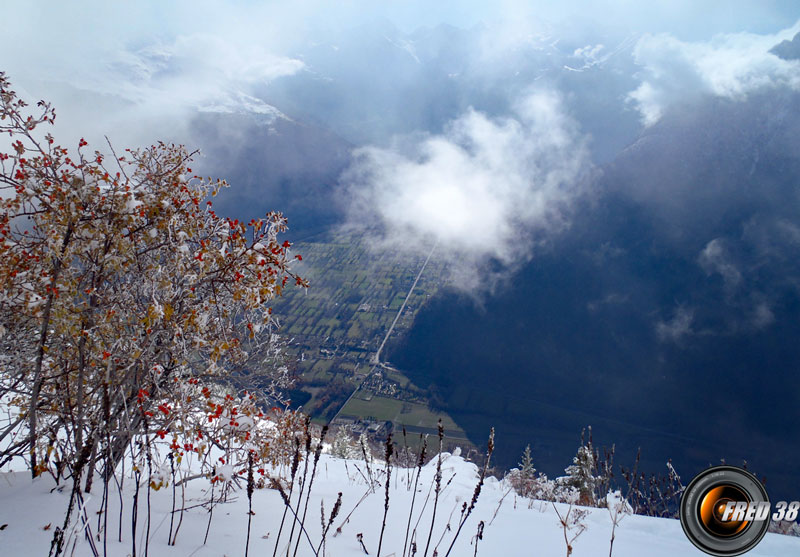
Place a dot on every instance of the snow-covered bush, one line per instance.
(119, 287)
(344, 445)
(581, 476)
(527, 482)
(785, 527)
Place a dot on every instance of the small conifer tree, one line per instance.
(343, 445)
(526, 469)
(581, 474)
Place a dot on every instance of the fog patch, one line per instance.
(729, 65)
(484, 192)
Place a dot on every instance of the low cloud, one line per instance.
(191, 70)
(729, 65)
(139, 72)
(484, 191)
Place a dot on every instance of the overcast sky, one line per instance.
(139, 70)
(281, 23)
(152, 58)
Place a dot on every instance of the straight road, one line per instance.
(376, 359)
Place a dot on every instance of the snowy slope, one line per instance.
(514, 526)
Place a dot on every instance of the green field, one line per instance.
(399, 412)
(337, 324)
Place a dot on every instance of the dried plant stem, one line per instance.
(611, 545)
(447, 527)
(360, 538)
(121, 505)
(389, 450)
(135, 510)
(172, 515)
(568, 524)
(180, 517)
(425, 506)
(334, 513)
(250, 486)
(500, 504)
(420, 462)
(302, 483)
(347, 518)
(478, 537)
(104, 509)
(317, 453)
(438, 482)
(297, 519)
(477, 492)
(286, 500)
(149, 490)
(366, 461)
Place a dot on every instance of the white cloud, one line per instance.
(729, 65)
(676, 328)
(715, 259)
(485, 188)
(762, 316)
(138, 72)
(190, 70)
(112, 65)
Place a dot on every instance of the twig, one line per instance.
(477, 492)
(287, 500)
(302, 482)
(478, 537)
(180, 518)
(317, 454)
(388, 482)
(420, 462)
(210, 510)
(360, 538)
(326, 527)
(250, 485)
(438, 482)
(172, 515)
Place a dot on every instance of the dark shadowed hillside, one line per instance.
(667, 317)
(277, 164)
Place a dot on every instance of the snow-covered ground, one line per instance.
(513, 526)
